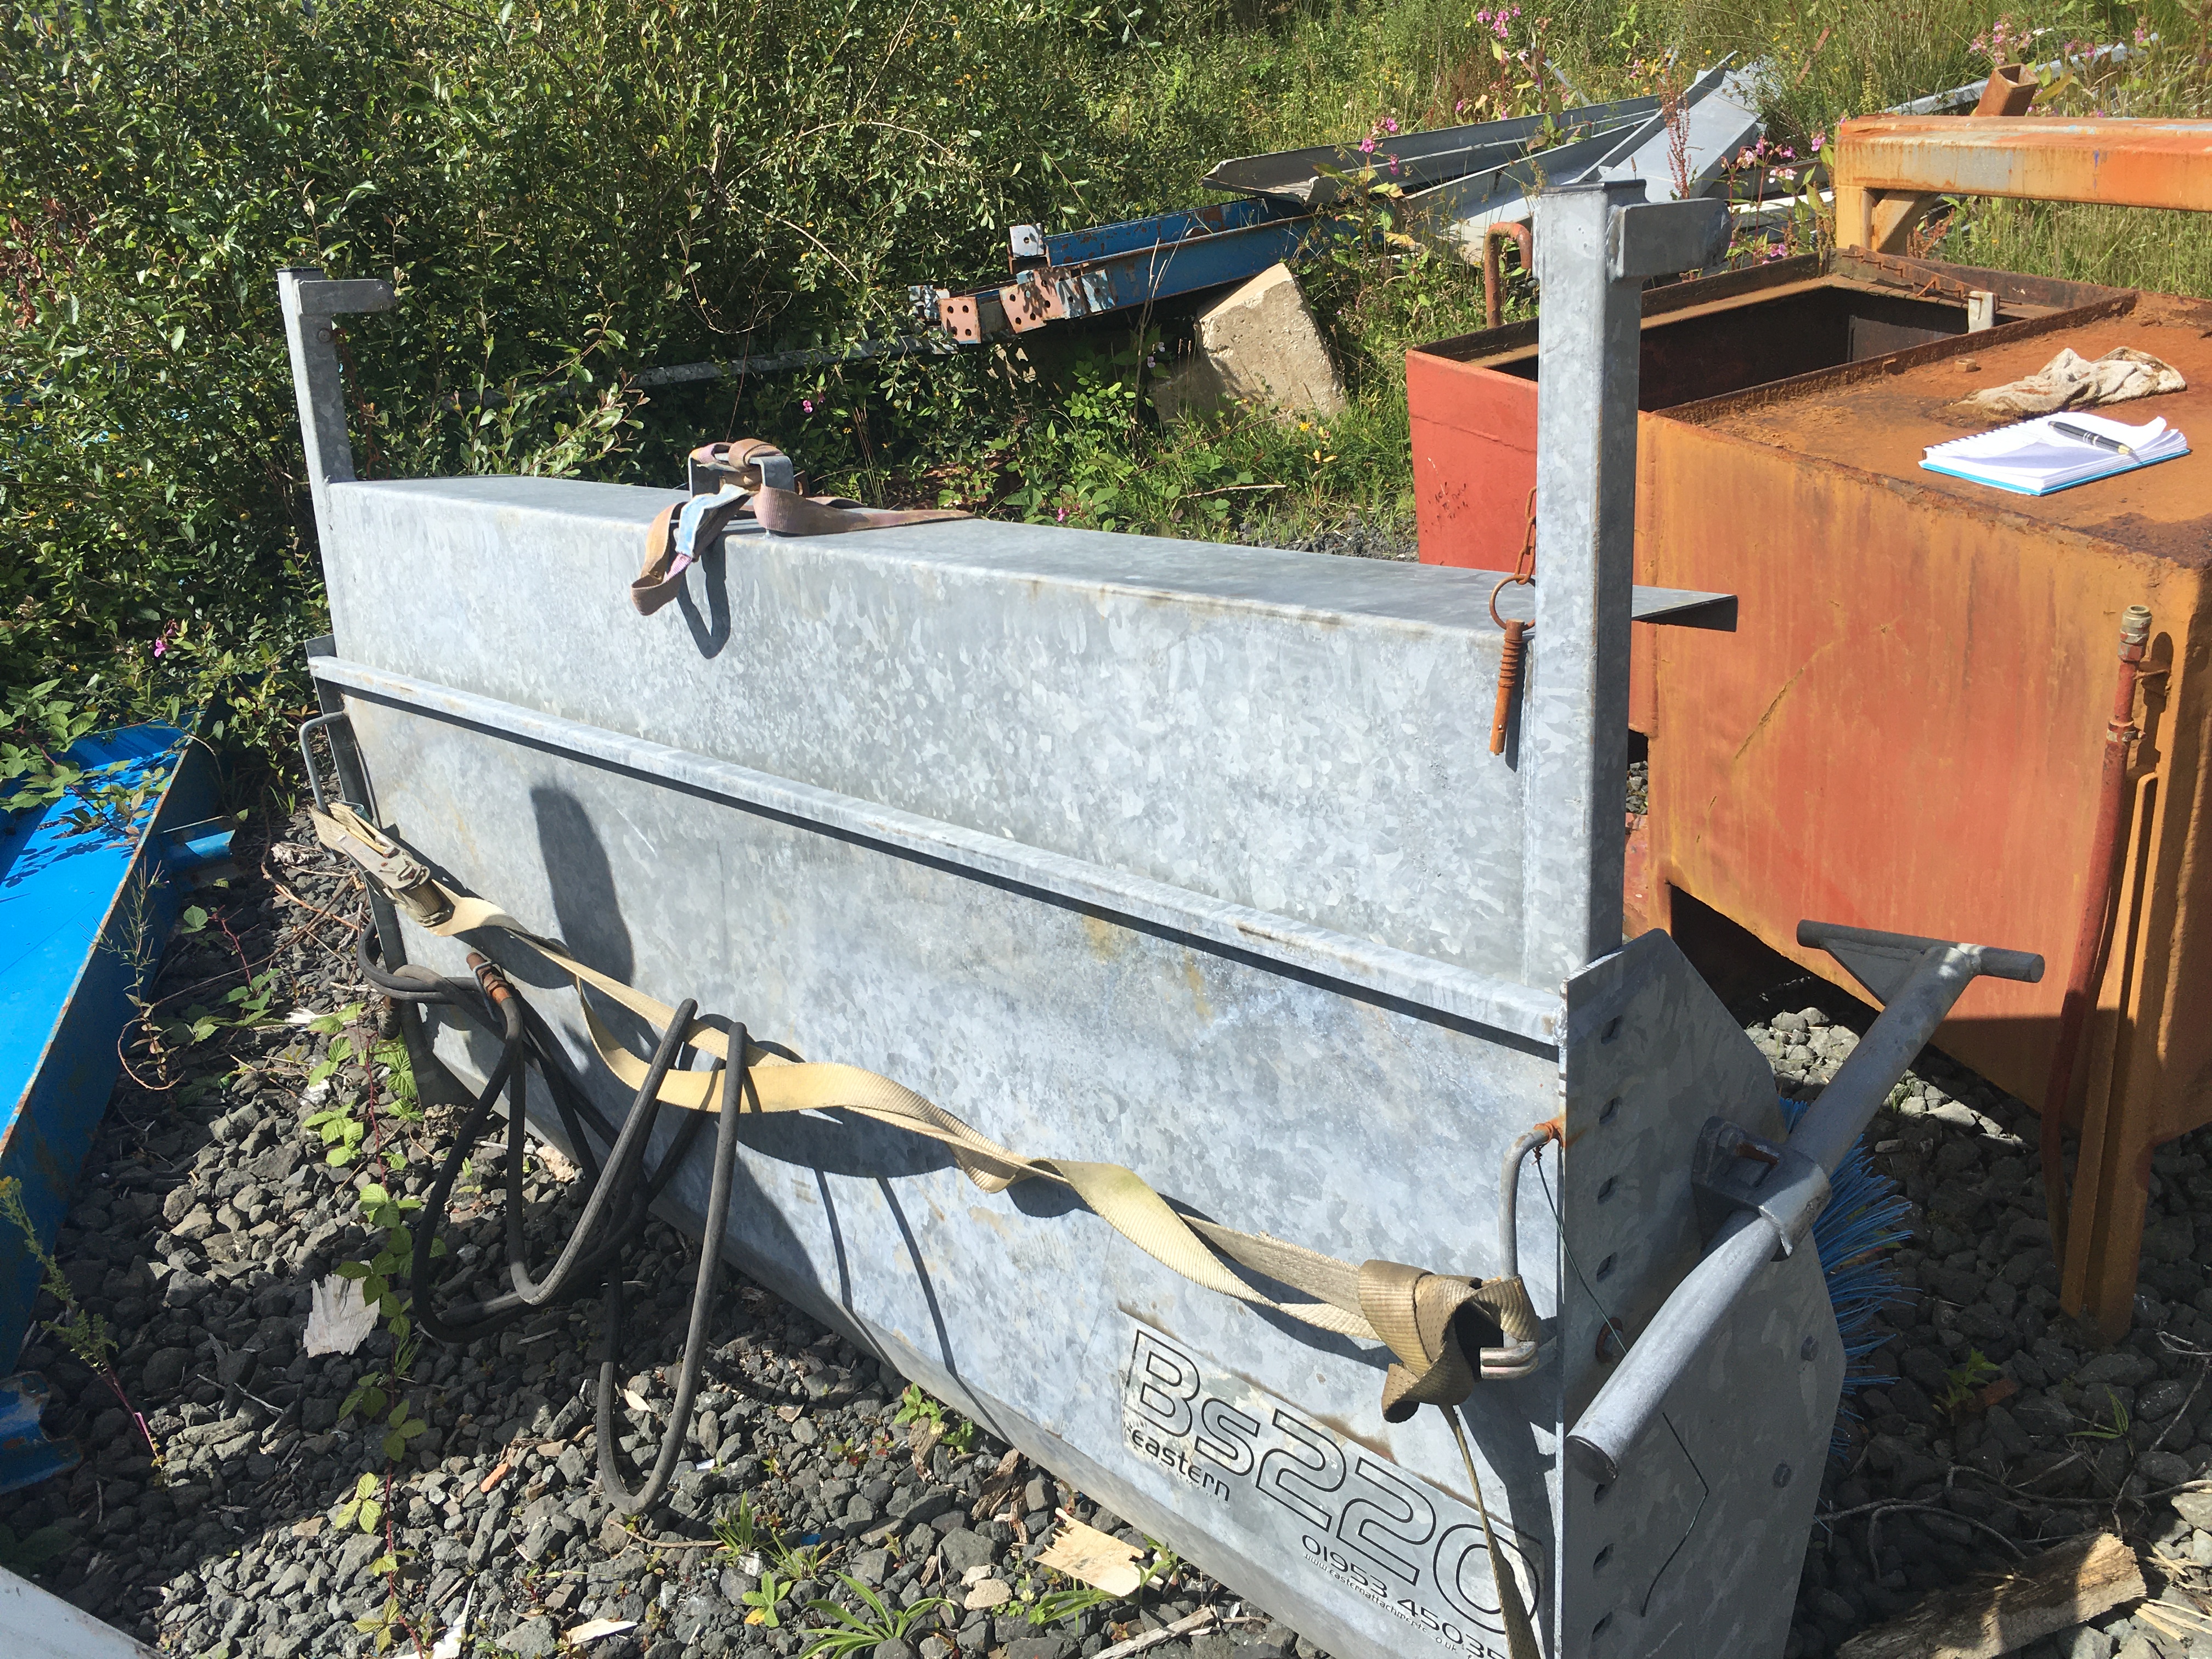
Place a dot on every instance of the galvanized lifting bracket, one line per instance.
(309, 300)
(1765, 1217)
(1734, 1170)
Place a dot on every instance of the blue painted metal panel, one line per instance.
(1198, 262)
(27, 1456)
(70, 905)
(1070, 247)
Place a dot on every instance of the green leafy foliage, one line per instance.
(745, 1533)
(244, 1007)
(39, 727)
(83, 1331)
(342, 1130)
(399, 1429)
(1054, 1607)
(371, 1397)
(364, 1509)
(341, 1133)
(388, 1625)
(875, 1623)
(797, 1561)
(915, 1406)
(762, 1599)
(1961, 1381)
(2112, 1426)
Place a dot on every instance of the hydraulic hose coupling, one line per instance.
(2135, 636)
(495, 987)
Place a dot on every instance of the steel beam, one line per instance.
(1595, 243)
(2118, 163)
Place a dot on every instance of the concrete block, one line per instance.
(1261, 345)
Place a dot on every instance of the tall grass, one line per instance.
(2129, 247)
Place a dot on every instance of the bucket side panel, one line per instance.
(1269, 1102)
(1695, 1548)
(1298, 733)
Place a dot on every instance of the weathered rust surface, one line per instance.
(1472, 400)
(1907, 730)
(1880, 418)
(2127, 163)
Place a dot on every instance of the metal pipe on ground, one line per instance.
(2093, 941)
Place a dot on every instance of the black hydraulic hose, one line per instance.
(695, 1342)
(616, 1210)
(614, 1188)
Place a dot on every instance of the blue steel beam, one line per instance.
(86, 902)
(1072, 247)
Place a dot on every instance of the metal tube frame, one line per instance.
(1918, 980)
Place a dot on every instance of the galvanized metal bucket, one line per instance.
(1184, 857)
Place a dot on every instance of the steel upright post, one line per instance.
(1577, 734)
(1595, 243)
(309, 301)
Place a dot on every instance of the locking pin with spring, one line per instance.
(1516, 633)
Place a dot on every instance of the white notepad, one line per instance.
(2032, 459)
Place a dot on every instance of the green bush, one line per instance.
(558, 193)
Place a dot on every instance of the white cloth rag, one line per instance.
(2070, 380)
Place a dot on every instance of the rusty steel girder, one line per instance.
(2121, 163)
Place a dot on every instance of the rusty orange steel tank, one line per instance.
(1911, 718)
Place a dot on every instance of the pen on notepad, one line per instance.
(2096, 438)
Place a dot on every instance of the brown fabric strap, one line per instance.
(747, 493)
(1424, 1319)
(662, 578)
(787, 513)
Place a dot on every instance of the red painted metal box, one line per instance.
(1907, 730)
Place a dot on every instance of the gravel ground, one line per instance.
(206, 1211)
(2004, 1427)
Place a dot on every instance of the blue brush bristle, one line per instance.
(1863, 1223)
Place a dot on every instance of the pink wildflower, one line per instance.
(807, 404)
(1367, 146)
(161, 639)
(1060, 517)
